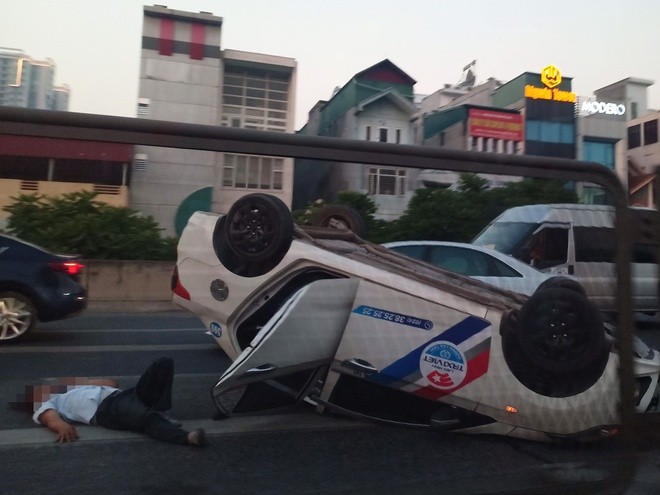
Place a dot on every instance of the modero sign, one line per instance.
(603, 107)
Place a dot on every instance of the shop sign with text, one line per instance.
(591, 107)
(496, 125)
(551, 78)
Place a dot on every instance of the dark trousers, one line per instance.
(140, 408)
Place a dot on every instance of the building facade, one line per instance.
(29, 83)
(186, 77)
(555, 122)
(643, 153)
(473, 128)
(53, 167)
(377, 104)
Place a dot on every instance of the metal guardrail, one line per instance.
(68, 125)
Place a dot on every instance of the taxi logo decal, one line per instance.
(460, 354)
(443, 365)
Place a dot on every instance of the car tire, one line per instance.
(565, 282)
(560, 330)
(342, 217)
(259, 228)
(17, 315)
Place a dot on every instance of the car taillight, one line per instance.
(69, 267)
(176, 286)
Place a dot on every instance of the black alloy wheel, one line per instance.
(259, 227)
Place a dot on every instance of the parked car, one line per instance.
(36, 285)
(579, 241)
(323, 316)
(478, 262)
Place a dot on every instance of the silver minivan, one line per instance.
(576, 240)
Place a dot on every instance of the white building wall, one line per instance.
(175, 88)
(179, 88)
(647, 156)
(383, 114)
(279, 68)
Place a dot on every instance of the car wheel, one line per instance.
(342, 217)
(17, 315)
(560, 330)
(259, 227)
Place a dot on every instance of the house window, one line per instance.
(650, 132)
(382, 134)
(633, 110)
(368, 133)
(398, 136)
(252, 172)
(634, 138)
(599, 152)
(550, 132)
(259, 98)
(386, 181)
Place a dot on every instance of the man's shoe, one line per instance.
(197, 437)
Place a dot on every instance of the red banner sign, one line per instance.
(497, 125)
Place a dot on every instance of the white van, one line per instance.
(576, 240)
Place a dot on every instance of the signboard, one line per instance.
(551, 78)
(591, 107)
(497, 125)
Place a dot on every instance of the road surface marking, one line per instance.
(108, 348)
(230, 426)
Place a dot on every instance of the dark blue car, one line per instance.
(36, 285)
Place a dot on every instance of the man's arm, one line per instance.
(66, 432)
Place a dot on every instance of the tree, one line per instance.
(448, 215)
(77, 223)
(438, 214)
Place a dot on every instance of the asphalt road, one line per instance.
(295, 452)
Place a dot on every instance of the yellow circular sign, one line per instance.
(551, 76)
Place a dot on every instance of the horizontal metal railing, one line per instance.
(14, 121)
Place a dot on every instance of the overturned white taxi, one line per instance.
(323, 316)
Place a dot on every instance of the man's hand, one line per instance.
(66, 432)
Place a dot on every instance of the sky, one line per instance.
(95, 44)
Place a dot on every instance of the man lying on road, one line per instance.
(101, 402)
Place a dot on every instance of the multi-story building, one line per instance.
(552, 121)
(53, 167)
(28, 83)
(471, 127)
(377, 104)
(186, 77)
(643, 154)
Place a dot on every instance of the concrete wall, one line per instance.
(128, 285)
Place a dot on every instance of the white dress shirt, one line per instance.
(79, 404)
